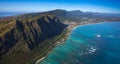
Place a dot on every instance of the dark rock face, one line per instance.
(28, 34)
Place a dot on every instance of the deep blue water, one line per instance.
(4, 14)
(88, 44)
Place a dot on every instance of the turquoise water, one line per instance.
(88, 44)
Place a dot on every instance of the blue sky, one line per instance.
(105, 6)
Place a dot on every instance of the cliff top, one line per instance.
(8, 23)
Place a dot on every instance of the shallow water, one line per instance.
(88, 44)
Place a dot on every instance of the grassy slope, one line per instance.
(5, 26)
(50, 46)
(36, 53)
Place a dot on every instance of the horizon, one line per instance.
(106, 6)
(59, 9)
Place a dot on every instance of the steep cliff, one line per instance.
(24, 35)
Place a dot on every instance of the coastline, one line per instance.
(71, 26)
(40, 60)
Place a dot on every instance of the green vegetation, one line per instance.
(5, 26)
(38, 52)
(50, 44)
(28, 36)
(8, 24)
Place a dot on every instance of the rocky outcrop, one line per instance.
(27, 34)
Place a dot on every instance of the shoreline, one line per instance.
(71, 26)
(39, 60)
(57, 43)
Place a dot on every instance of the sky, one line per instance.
(103, 6)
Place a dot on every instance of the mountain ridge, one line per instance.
(74, 15)
(27, 34)
(31, 34)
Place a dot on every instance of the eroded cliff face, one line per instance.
(28, 34)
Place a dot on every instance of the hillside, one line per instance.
(75, 15)
(80, 16)
(30, 35)
(24, 37)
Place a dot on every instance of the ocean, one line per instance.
(88, 44)
(5, 14)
